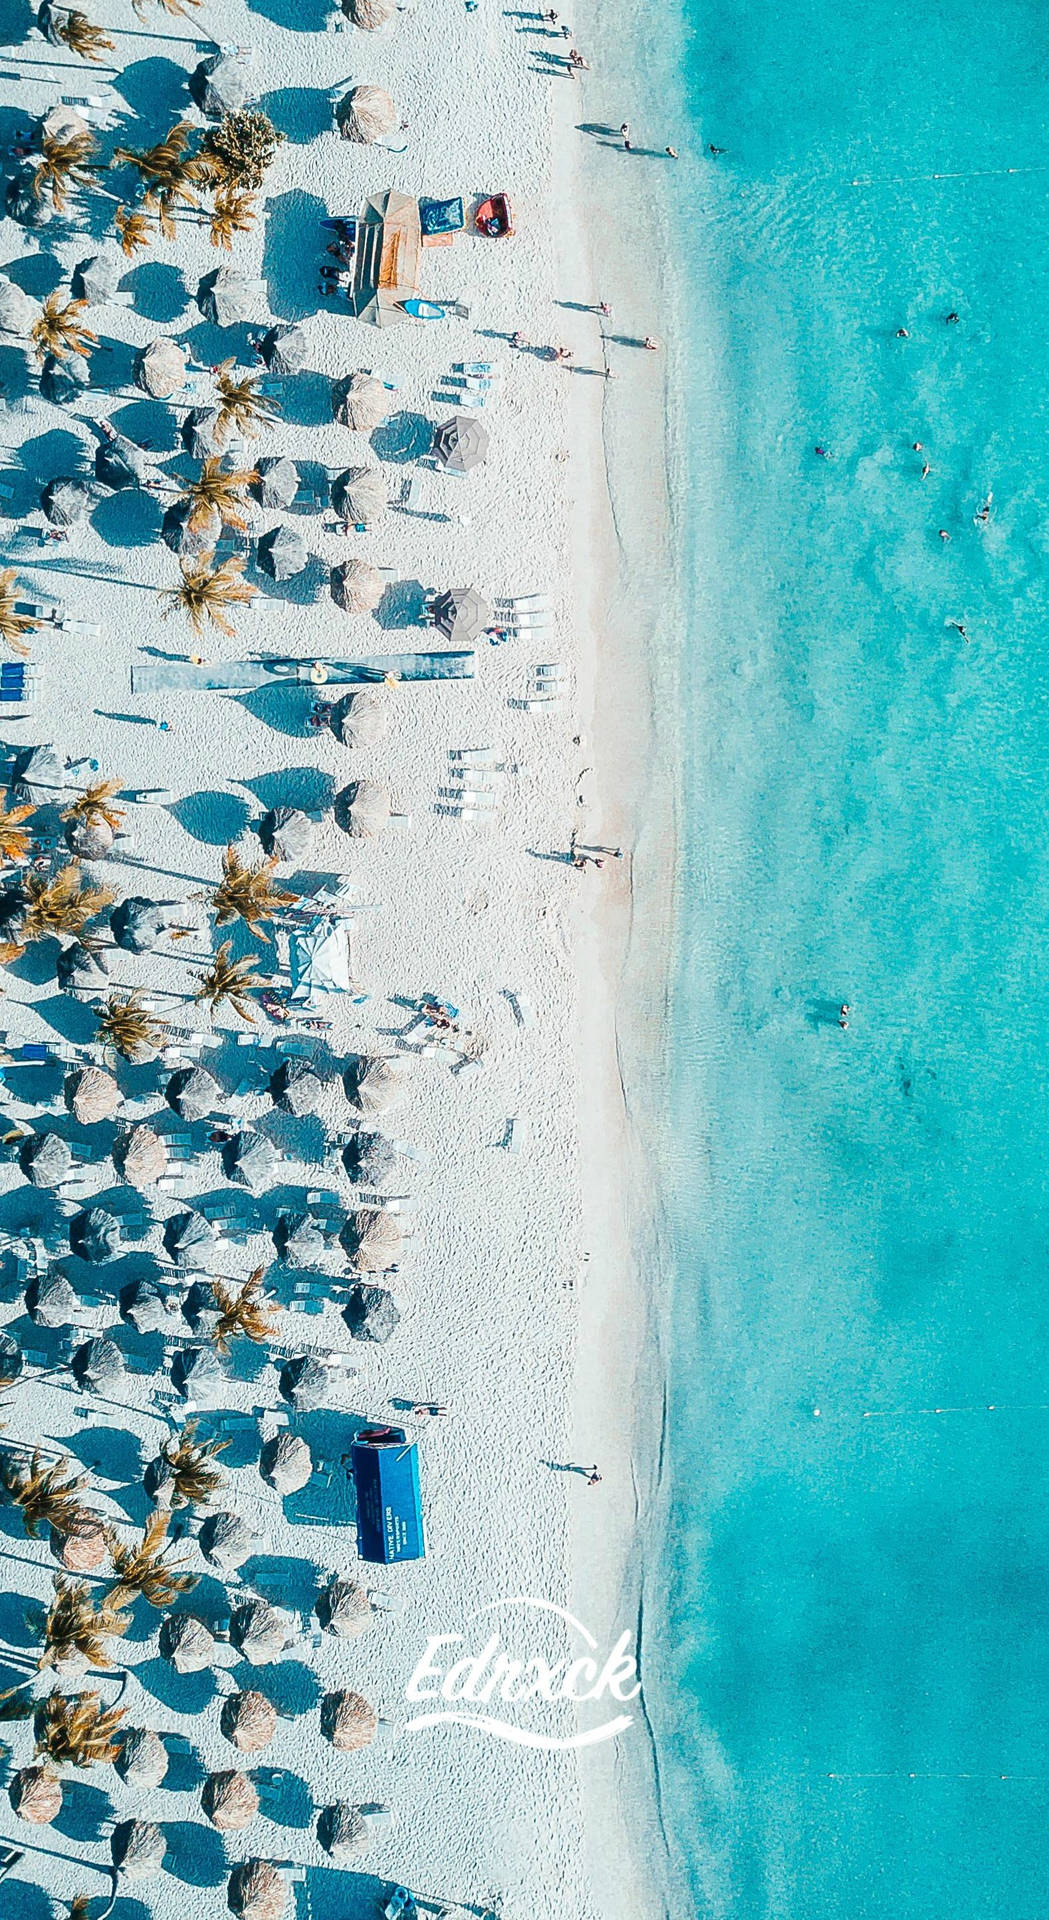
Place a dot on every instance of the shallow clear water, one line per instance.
(848, 1646)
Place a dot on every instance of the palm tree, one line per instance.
(169, 172)
(62, 905)
(233, 212)
(206, 593)
(46, 1496)
(80, 36)
(193, 1479)
(75, 1730)
(239, 151)
(241, 1312)
(129, 1029)
(216, 491)
(241, 404)
(229, 980)
(248, 893)
(58, 333)
(95, 804)
(14, 840)
(143, 1570)
(133, 228)
(14, 625)
(74, 1625)
(64, 164)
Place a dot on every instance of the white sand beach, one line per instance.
(519, 1307)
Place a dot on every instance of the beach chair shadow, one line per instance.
(159, 292)
(293, 230)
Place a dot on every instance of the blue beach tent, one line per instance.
(385, 1468)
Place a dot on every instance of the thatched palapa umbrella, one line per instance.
(284, 349)
(62, 381)
(357, 586)
(297, 1087)
(278, 480)
(188, 531)
(66, 502)
(35, 1794)
(196, 1373)
(160, 368)
(370, 1159)
(12, 1359)
(226, 297)
(286, 1463)
(98, 1365)
(144, 1307)
(203, 432)
(96, 280)
(300, 1240)
(304, 1383)
(249, 1720)
(141, 1156)
(260, 1632)
(369, 14)
(82, 970)
(45, 1159)
(283, 553)
(19, 312)
(373, 1083)
(193, 1092)
(143, 1760)
(288, 833)
(138, 1848)
(345, 1609)
(366, 114)
(360, 496)
(84, 1549)
(343, 1831)
(227, 1541)
(95, 1235)
(51, 1300)
(349, 1721)
(462, 613)
(361, 402)
(256, 1890)
(120, 463)
(460, 443)
(362, 809)
(187, 1643)
(225, 82)
(138, 924)
(190, 1240)
(40, 770)
(373, 1241)
(361, 718)
(253, 1160)
(230, 1801)
(371, 1313)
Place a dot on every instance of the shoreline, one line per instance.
(625, 961)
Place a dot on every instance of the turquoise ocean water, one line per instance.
(847, 1658)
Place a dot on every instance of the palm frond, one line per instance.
(194, 1478)
(58, 332)
(248, 893)
(95, 803)
(169, 171)
(129, 1028)
(233, 213)
(207, 591)
(217, 491)
(64, 164)
(142, 1569)
(63, 904)
(47, 1496)
(14, 840)
(133, 228)
(75, 1625)
(75, 1730)
(241, 403)
(78, 34)
(14, 626)
(241, 1312)
(229, 980)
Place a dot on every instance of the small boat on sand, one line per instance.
(494, 218)
(423, 310)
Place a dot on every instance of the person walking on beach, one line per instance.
(651, 345)
(671, 153)
(593, 1478)
(624, 135)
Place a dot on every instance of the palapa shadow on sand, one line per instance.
(341, 1895)
(302, 113)
(181, 1693)
(286, 708)
(403, 438)
(293, 229)
(156, 91)
(211, 817)
(83, 1810)
(159, 292)
(195, 1853)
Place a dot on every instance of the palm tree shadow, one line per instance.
(292, 233)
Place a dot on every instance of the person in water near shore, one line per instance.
(926, 470)
(902, 334)
(715, 152)
(958, 628)
(983, 514)
(944, 535)
(822, 451)
(843, 1017)
(951, 320)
